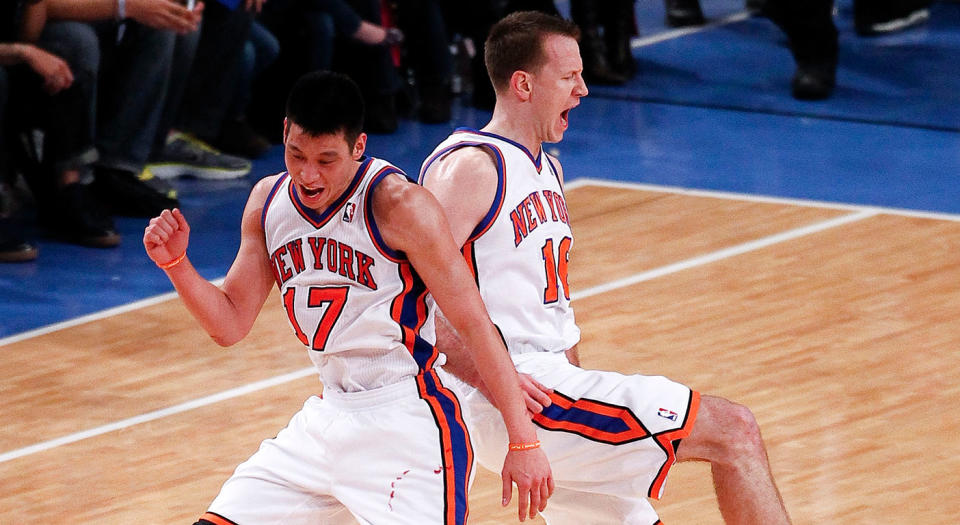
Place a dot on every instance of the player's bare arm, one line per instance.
(226, 313)
(465, 183)
(411, 220)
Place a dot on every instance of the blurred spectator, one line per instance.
(145, 51)
(427, 55)
(200, 115)
(605, 40)
(812, 34)
(237, 136)
(330, 34)
(473, 20)
(53, 79)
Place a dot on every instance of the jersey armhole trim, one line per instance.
(498, 199)
(270, 196)
(371, 222)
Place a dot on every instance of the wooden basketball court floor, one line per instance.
(836, 324)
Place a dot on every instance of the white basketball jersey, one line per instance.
(520, 250)
(358, 306)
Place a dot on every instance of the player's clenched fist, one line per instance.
(166, 237)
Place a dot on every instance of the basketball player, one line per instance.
(611, 438)
(354, 247)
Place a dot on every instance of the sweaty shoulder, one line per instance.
(258, 197)
(469, 166)
(260, 191)
(465, 182)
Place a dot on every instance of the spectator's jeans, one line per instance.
(212, 81)
(259, 51)
(68, 118)
(138, 75)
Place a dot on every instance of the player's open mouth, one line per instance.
(311, 193)
(565, 117)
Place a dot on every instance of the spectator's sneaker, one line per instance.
(12, 251)
(123, 193)
(12, 246)
(814, 81)
(186, 155)
(77, 219)
(157, 184)
(683, 13)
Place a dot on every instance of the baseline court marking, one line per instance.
(859, 214)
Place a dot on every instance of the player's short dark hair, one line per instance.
(325, 103)
(516, 43)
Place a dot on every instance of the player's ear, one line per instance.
(359, 146)
(521, 83)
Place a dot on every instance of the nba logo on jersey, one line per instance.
(668, 414)
(348, 212)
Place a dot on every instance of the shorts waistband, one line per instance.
(400, 391)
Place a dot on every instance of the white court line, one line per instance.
(716, 194)
(157, 414)
(726, 253)
(102, 314)
(278, 380)
(684, 31)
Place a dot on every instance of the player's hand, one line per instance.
(255, 6)
(54, 70)
(535, 395)
(530, 471)
(167, 236)
(165, 14)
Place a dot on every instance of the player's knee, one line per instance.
(746, 425)
(725, 433)
(741, 435)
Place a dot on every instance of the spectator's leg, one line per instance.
(13, 247)
(66, 207)
(373, 69)
(184, 53)
(214, 75)
(809, 27)
(428, 49)
(237, 137)
(593, 49)
(620, 26)
(134, 81)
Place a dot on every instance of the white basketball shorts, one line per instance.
(610, 438)
(399, 454)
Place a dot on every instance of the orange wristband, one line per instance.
(172, 263)
(524, 446)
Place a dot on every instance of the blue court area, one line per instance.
(709, 110)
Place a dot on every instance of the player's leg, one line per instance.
(727, 435)
(408, 459)
(610, 439)
(287, 480)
